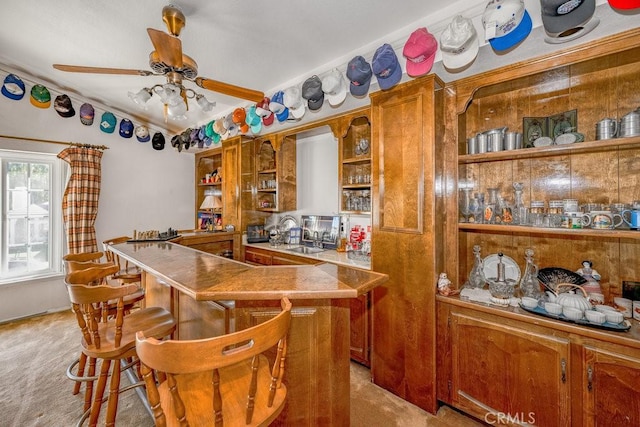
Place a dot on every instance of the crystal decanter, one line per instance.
(529, 285)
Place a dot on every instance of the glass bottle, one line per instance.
(476, 276)
(506, 212)
(519, 209)
(529, 285)
(491, 208)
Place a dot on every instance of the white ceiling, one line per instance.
(260, 45)
(265, 45)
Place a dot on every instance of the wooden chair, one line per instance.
(110, 337)
(127, 272)
(222, 379)
(83, 261)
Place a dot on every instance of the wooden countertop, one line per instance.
(328, 255)
(209, 277)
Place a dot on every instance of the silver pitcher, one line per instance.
(606, 129)
(630, 124)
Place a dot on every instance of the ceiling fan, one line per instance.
(168, 59)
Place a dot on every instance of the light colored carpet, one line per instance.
(34, 389)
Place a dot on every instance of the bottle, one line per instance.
(519, 209)
(490, 209)
(506, 213)
(476, 276)
(529, 285)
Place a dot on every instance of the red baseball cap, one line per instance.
(625, 4)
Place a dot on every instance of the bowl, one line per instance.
(605, 308)
(594, 316)
(614, 317)
(572, 313)
(553, 308)
(529, 302)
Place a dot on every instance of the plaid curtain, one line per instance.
(80, 202)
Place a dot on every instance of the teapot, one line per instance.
(630, 124)
(575, 300)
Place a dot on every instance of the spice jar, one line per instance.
(536, 213)
(556, 208)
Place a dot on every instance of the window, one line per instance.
(31, 235)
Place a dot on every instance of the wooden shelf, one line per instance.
(355, 160)
(520, 229)
(553, 150)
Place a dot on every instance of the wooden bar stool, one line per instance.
(109, 336)
(127, 272)
(83, 261)
(222, 379)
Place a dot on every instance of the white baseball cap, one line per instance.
(459, 43)
(292, 99)
(334, 87)
(506, 23)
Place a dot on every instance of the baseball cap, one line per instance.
(625, 4)
(564, 20)
(126, 128)
(334, 87)
(459, 43)
(420, 51)
(239, 118)
(87, 114)
(157, 141)
(13, 87)
(253, 120)
(63, 106)
(292, 99)
(359, 74)
(40, 96)
(312, 92)
(142, 133)
(108, 122)
(277, 106)
(262, 110)
(386, 67)
(506, 23)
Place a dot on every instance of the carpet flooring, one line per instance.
(35, 391)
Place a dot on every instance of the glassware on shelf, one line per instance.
(491, 208)
(529, 284)
(519, 209)
(475, 210)
(465, 202)
(476, 275)
(505, 209)
(536, 213)
(500, 287)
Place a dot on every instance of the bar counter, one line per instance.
(210, 295)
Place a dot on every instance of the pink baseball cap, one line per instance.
(420, 51)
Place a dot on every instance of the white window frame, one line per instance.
(56, 226)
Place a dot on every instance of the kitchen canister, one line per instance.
(482, 140)
(472, 145)
(512, 140)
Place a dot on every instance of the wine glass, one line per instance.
(465, 204)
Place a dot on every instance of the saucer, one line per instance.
(566, 138)
(543, 141)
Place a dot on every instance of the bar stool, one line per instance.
(127, 273)
(83, 261)
(110, 337)
(225, 378)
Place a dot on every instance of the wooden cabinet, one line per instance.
(407, 126)
(610, 392)
(260, 256)
(599, 80)
(509, 363)
(354, 172)
(276, 173)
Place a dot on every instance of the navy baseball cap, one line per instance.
(126, 128)
(13, 87)
(359, 74)
(386, 67)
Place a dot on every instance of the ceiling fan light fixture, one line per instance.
(204, 104)
(141, 97)
(169, 93)
(177, 111)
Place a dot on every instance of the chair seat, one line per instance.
(154, 321)
(196, 391)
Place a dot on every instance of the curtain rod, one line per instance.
(50, 141)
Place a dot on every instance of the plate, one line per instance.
(490, 267)
(566, 138)
(543, 141)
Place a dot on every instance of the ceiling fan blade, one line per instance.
(229, 89)
(100, 70)
(168, 47)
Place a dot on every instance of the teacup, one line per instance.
(602, 220)
(634, 217)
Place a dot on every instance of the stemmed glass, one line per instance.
(465, 204)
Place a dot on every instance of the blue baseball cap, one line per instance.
(277, 106)
(386, 67)
(142, 134)
(126, 128)
(359, 74)
(506, 23)
(13, 87)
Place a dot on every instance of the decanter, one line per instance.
(529, 285)
(519, 209)
(476, 276)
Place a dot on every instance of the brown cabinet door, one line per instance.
(360, 329)
(501, 371)
(231, 180)
(611, 387)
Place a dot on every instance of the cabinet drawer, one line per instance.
(257, 258)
